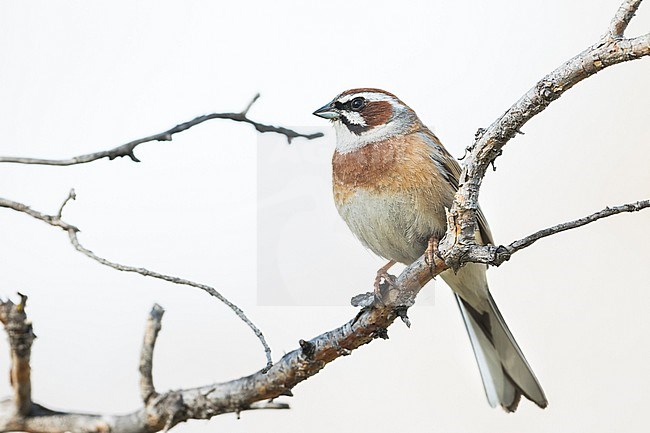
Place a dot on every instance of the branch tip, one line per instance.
(72, 195)
(245, 111)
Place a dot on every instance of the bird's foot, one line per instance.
(431, 252)
(388, 280)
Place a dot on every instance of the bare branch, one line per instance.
(129, 148)
(622, 18)
(163, 411)
(21, 336)
(489, 143)
(56, 221)
(147, 388)
(496, 255)
(609, 211)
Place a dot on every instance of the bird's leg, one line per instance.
(382, 273)
(431, 252)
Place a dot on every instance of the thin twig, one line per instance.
(71, 196)
(129, 148)
(147, 388)
(72, 231)
(495, 255)
(250, 104)
(608, 211)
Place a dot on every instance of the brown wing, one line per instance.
(451, 170)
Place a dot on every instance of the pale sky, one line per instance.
(255, 218)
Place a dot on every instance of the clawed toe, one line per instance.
(388, 279)
(431, 252)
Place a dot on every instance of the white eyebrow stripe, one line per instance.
(369, 96)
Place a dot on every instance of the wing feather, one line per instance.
(451, 171)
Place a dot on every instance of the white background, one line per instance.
(77, 77)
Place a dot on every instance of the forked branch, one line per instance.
(612, 49)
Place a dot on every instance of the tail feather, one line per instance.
(504, 370)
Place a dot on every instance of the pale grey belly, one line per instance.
(393, 227)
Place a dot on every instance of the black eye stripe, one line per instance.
(355, 104)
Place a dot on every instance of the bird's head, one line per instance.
(365, 116)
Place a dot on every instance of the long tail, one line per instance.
(506, 374)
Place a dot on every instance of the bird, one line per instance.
(392, 180)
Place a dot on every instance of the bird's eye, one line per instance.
(357, 104)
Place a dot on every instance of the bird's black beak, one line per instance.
(328, 111)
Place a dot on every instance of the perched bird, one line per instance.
(392, 181)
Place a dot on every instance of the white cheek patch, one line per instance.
(347, 141)
(354, 118)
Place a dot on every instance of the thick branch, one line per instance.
(21, 336)
(489, 143)
(247, 393)
(129, 148)
(55, 220)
